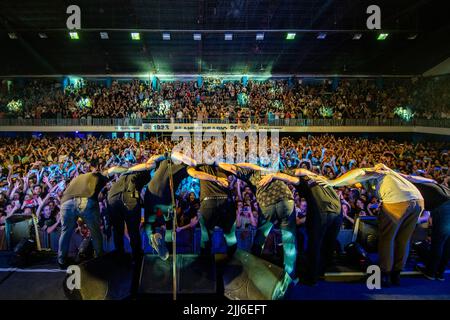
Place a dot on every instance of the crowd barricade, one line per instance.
(245, 238)
(50, 240)
(301, 122)
(218, 244)
(188, 241)
(344, 238)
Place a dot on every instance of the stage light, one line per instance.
(242, 99)
(321, 35)
(260, 36)
(42, 35)
(382, 36)
(357, 36)
(326, 112)
(84, 103)
(14, 105)
(412, 36)
(104, 35)
(12, 35)
(228, 36)
(74, 35)
(135, 36)
(166, 36)
(197, 36)
(290, 36)
(404, 113)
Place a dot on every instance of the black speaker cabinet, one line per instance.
(247, 277)
(366, 233)
(18, 227)
(104, 278)
(195, 275)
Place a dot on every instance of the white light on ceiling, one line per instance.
(357, 36)
(260, 36)
(42, 35)
(197, 36)
(228, 36)
(166, 36)
(104, 35)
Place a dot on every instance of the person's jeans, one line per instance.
(322, 229)
(123, 208)
(302, 239)
(283, 212)
(440, 239)
(87, 209)
(220, 213)
(397, 222)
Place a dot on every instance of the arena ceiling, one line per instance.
(338, 53)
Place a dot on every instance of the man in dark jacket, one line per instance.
(124, 205)
(437, 201)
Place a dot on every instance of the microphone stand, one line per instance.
(174, 228)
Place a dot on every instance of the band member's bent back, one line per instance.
(277, 203)
(437, 201)
(217, 206)
(401, 207)
(80, 200)
(124, 205)
(158, 197)
(323, 222)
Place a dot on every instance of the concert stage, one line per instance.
(105, 279)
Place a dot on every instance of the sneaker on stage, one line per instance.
(395, 278)
(158, 243)
(424, 271)
(283, 286)
(440, 277)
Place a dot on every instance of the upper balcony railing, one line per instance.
(96, 122)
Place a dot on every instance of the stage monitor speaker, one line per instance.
(247, 277)
(104, 278)
(195, 275)
(357, 256)
(366, 233)
(19, 228)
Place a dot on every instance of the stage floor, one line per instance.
(43, 281)
(412, 288)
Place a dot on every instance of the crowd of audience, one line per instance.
(35, 171)
(259, 101)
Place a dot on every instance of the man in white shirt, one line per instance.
(401, 207)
